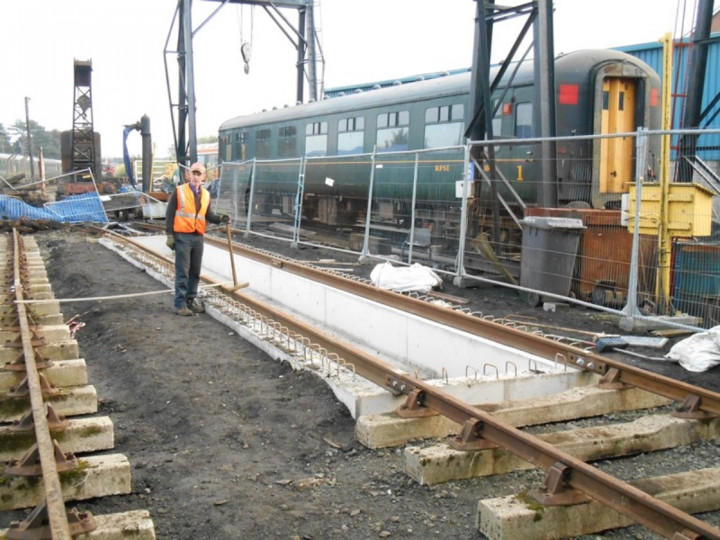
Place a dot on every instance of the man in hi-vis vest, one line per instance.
(188, 211)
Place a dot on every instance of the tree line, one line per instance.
(13, 140)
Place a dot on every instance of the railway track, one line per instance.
(569, 481)
(51, 458)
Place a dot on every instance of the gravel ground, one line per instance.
(226, 442)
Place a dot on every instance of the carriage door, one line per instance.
(618, 116)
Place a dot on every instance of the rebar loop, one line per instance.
(497, 371)
(333, 357)
(560, 358)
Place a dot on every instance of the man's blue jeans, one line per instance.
(188, 262)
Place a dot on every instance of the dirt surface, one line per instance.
(225, 442)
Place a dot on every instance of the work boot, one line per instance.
(195, 306)
(184, 311)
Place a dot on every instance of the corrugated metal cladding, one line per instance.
(652, 54)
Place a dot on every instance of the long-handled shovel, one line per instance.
(232, 258)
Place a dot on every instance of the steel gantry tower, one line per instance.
(84, 154)
(538, 16)
(302, 37)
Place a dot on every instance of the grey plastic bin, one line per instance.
(549, 249)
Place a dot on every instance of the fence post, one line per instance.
(631, 310)
(231, 181)
(460, 263)
(251, 199)
(298, 202)
(366, 241)
(412, 209)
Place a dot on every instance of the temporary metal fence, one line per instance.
(13, 165)
(80, 209)
(478, 221)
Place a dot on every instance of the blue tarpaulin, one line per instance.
(75, 209)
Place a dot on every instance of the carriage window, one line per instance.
(457, 113)
(446, 113)
(606, 100)
(392, 133)
(287, 141)
(351, 135)
(440, 129)
(262, 144)
(351, 124)
(316, 139)
(523, 120)
(236, 151)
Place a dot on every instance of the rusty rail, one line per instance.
(55, 506)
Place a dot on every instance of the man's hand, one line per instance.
(170, 242)
(224, 218)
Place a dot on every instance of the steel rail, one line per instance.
(57, 514)
(653, 513)
(549, 349)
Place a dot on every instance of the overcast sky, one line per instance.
(364, 40)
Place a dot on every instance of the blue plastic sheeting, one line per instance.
(75, 209)
(80, 208)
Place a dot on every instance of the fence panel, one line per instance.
(335, 200)
(391, 202)
(437, 209)
(696, 280)
(231, 193)
(273, 197)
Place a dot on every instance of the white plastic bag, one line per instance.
(404, 278)
(699, 352)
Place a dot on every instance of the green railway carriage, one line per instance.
(597, 92)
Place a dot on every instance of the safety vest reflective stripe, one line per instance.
(188, 219)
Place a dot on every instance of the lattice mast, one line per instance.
(83, 150)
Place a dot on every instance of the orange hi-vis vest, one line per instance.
(189, 219)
